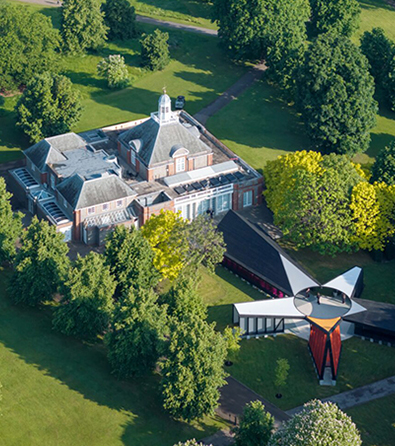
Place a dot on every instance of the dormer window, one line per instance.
(180, 164)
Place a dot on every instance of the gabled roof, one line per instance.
(156, 142)
(81, 193)
(49, 150)
(254, 250)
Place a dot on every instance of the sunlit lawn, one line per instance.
(59, 392)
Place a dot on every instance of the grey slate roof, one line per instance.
(49, 150)
(81, 193)
(157, 141)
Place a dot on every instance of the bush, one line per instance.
(155, 52)
(113, 68)
(120, 17)
(49, 106)
(384, 167)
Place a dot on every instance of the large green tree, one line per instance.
(130, 258)
(335, 95)
(41, 264)
(155, 53)
(341, 16)
(318, 423)
(120, 18)
(384, 167)
(49, 106)
(135, 339)
(271, 29)
(315, 208)
(193, 370)
(27, 45)
(256, 426)
(10, 225)
(87, 303)
(82, 25)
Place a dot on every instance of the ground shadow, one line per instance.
(194, 8)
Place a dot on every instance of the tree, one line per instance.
(318, 423)
(192, 442)
(379, 50)
(87, 304)
(10, 225)
(120, 18)
(281, 373)
(130, 259)
(135, 339)
(206, 244)
(316, 209)
(41, 264)
(335, 96)
(274, 30)
(384, 167)
(341, 16)
(256, 426)
(82, 25)
(390, 85)
(49, 106)
(166, 235)
(115, 71)
(183, 299)
(193, 370)
(27, 45)
(373, 214)
(155, 52)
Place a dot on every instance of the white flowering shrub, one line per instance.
(113, 68)
(192, 442)
(318, 424)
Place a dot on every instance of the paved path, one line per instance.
(223, 437)
(231, 93)
(358, 396)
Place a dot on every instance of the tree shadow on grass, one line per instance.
(374, 4)
(84, 368)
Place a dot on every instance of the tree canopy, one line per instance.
(134, 341)
(130, 258)
(120, 18)
(341, 16)
(193, 369)
(166, 235)
(82, 25)
(335, 95)
(384, 166)
(27, 45)
(87, 303)
(49, 106)
(318, 423)
(115, 71)
(256, 426)
(10, 225)
(155, 54)
(41, 264)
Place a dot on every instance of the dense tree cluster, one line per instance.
(48, 106)
(335, 96)
(28, 45)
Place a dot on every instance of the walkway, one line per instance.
(231, 93)
(358, 396)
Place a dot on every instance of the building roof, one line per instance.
(81, 193)
(251, 248)
(269, 308)
(379, 315)
(155, 143)
(346, 282)
(50, 150)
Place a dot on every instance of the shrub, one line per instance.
(113, 68)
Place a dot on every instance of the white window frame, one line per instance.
(133, 158)
(106, 207)
(91, 210)
(180, 164)
(247, 199)
(119, 203)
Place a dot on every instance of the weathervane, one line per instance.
(164, 90)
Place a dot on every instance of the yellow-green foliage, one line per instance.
(164, 233)
(280, 172)
(373, 207)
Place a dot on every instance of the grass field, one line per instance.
(199, 71)
(59, 392)
(376, 421)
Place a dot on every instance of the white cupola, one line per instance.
(164, 108)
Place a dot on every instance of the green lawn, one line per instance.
(59, 392)
(199, 71)
(376, 421)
